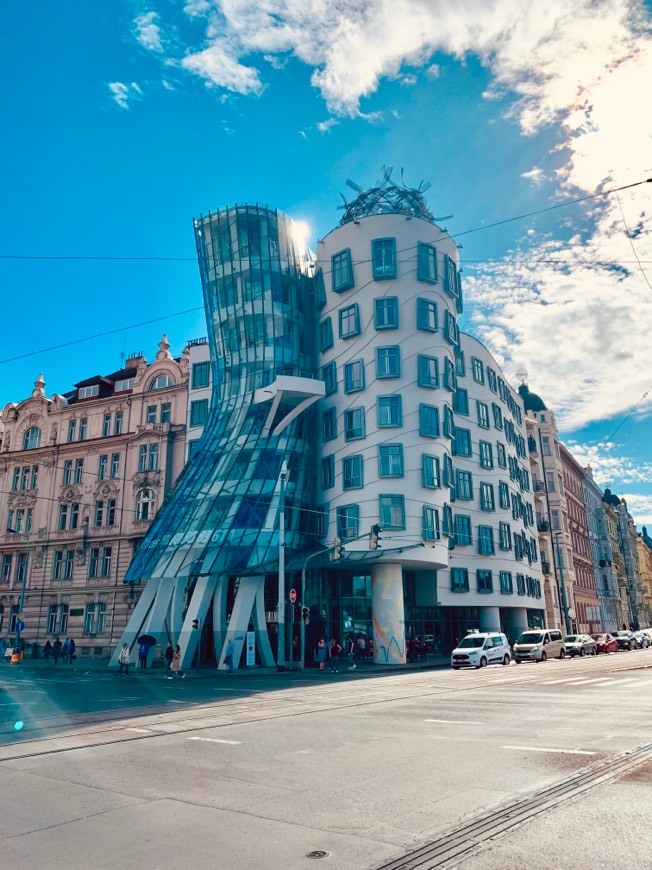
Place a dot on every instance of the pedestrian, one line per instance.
(228, 655)
(72, 655)
(123, 660)
(424, 650)
(362, 647)
(350, 652)
(47, 651)
(320, 654)
(168, 655)
(143, 649)
(175, 667)
(57, 648)
(64, 651)
(334, 650)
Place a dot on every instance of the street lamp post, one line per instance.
(564, 602)
(280, 653)
(23, 579)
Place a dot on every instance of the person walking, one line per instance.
(57, 648)
(175, 667)
(350, 652)
(334, 650)
(168, 655)
(320, 654)
(72, 655)
(362, 647)
(143, 649)
(228, 655)
(64, 651)
(123, 660)
(423, 650)
(47, 651)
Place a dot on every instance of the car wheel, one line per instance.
(595, 651)
(562, 654)
(505, 659)
(582, 652)
(518, 661)
(483, 662)
(456, 667)
(544, 657)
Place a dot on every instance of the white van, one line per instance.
(480, 649)
(539, 644)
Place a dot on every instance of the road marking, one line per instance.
(454, 721)
(216, 740)
(631, 680)
(172, 701)
(544, 749)
(555, 682)
(140, 730)
(583, 681)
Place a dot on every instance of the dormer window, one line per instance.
(161, 382)
(89, 392)
(125, 384)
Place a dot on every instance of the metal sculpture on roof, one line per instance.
(387, 197)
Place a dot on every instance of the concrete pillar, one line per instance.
(388, 613)
(517, 623)
(489, 618)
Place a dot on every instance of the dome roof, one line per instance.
(531, 402)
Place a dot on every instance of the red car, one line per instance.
(605, 643)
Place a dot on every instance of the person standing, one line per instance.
(168, 655)
(64, 651)
(123, 660)
(362, 647)
(228, 655)
(56, 650)
(350, 652)
(334, 650)
(72, 655)
(320, 654)
(143, 649)
(175, 667)
(47, 651)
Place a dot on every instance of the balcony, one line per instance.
(545, 567)
(543, 526)
(538, 486)
(532, 444)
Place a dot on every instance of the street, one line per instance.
(531, 766)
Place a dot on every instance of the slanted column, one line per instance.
(517, 623)
(489, 618)
(388, 613)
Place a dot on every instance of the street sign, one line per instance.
(20, 625)
(293, 596)
(21, 615)
(251, 649)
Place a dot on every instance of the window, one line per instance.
(505, 536)
(166, 412)
(428, 371)
(352, 472)
(89, 618)
(102, 466)
(449, 475)
(328, 471)
(354, 424)
(464, 484)
(462, 442)
(93, 562)
(518, 547)
(450, 328)
(21, 566)
(427, 315)
(200, 374)
(144, 506)
(72, 430)
(342, 271)
(383, 258)
(148, 455)
(88, 392)
(391, 511)
(329, 424)
(32, 438)
(450, 381)
(83, 428)
(98, 513)
(388, 362)
(354, 376)
(348, 521)
(386, 312)
(459, 580)
(389, 411)
(503, 495)
(390, 460)
(161, 383)
(478, 370)
(498, 415)
(491, 380)
(430, 471)
(110, 512)
(506, 585)
(431, 531)
(460, 364)
(426, 263)
(106, 426)
(329, 377)
(483, 415)
(520, 584)
(485, 581)
(62, 566)
(53, 613)
(151, 414)
(461, 401)
(15, 479)
(485, 540)
(124, 384)
(449, 422)
(501, 455)
(5, 576)
(450, 277)
(349, 321)
(199, 412)
(115, 465)
(487, 502)
(67, 472)
(79, 471)
(117, 423)
(486, 455)
(428, 421)
(325, 334)
(74, 516)
(463, 530)
(550, 481)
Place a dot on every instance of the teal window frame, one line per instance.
(520, 584)
(326, 340)
(504, 536)
(477, 369)
(342, 271)
(451, 332)
(431, 527)
(393, 402)
(486, 455)
(329, 424)
(450, 380)
(485, 581)
(460, 363)
(349, 321)
(449, 421)
(427, 263)
(492, 380)
(498, 415)
(354, 380)
(386, 312)
(383, 258)
(327, 471)
(451, 284)
(429, 421)
(348, 521)
(427, 315)
(487, 497)
(355, 424)
(501, 455)
(483, 415)
(388, 362)
(506, 583)
(329, 377)
(199, 412)
(459, 580)
(461, 401)
(387, 504)
(353, 472)
(463, 530)
(430, 471)
(428, 371)
(463, 441)
(320, 289)
(503, 495)
(464, 485)
(201, 374)
(390, 460)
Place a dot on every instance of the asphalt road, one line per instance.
(528, 767)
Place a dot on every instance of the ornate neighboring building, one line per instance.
(81, 477)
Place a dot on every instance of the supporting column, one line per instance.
(388, 613)
(489, 618)
(517, 623)
(136, 621)
(239, 622)
(197, 609)
(260, 627)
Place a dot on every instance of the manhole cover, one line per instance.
(318, 853)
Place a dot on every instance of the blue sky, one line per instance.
(124, 120)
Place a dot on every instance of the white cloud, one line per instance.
(124, 94)
(326, 126)
(434, 71)
(610, 468)
(148, 32)
(536, 175)
(408, 81)
(220, 67)
(640, 507)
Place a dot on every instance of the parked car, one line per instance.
(625, 639)
(580, 645)
(642, 639)
(605, 643)
(480, 649)
(539, 644)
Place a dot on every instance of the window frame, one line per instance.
(342, 272)
(386, 304)
(381, 269)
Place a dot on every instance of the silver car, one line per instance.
(580, 645)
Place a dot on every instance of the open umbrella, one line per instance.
(146, 639)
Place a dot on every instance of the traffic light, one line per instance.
(374, 537)
(337, 550)
(195, 623)
(305, 613)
